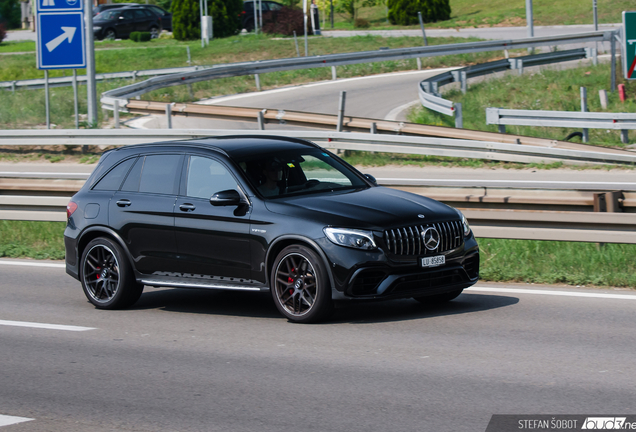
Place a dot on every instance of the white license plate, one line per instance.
(433, 261)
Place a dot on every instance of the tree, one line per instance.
(404, 12)
(186, 22)
(226, 17)
(10, 13)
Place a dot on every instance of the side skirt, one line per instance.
(180, 280)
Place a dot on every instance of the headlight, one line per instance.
(464, 224)
(351, 238)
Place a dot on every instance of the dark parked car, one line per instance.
(119, 23)
(102, 7)
(260, 214)
(247, 16)
(164, 15)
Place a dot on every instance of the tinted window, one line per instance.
(140, 14)
(274, 6)
(159, 174)
(113, 179)
(207, 177)
(127, 14)
(132, 181)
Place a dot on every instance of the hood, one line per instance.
(376, 208)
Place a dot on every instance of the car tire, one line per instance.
(300, 285)
(154, 32)
(107, 276)
(110, 34)
(439, 298)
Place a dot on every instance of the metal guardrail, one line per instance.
(429, 89)
(435, 146)
(565, 119)
(123, 94)
(500, 222)
(33, 84)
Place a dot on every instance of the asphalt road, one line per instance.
(184, 360)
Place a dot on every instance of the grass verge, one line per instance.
(530, 261)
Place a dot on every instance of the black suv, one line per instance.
(119, 23)
(247, 16)
(260, 214)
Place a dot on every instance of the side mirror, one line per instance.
(371, 179)
(229, 197)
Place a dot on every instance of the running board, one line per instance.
(200, 284)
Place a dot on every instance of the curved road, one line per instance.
(224, 361)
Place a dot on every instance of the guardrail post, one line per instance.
(75, 100)
(501, 128)
(116, 113)
(374, 128)
(586, 131)
(13, 83)
(261, 120)
(258, 82)
(602, 94)
(624, 136)
(134, 76)
(169, 116)
(296, 42)
(520, 66)
(459, 118)
(343, 95)
(419, 63)
(333, 73)
(464, 80)
(592, 53)
(46, 98)
(189, 56)
(419, 16)
(435, 88)
(613, 62)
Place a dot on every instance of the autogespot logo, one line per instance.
(606, 423)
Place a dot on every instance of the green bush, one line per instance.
(186, 24)
(361, 23)
(226, 17)
(404, 12)
(185, 19)
(140, 36)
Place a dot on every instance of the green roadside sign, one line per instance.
(629, 45)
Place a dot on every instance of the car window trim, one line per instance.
(184, 177)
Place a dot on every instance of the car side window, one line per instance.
(154, 174)
(131, 184)
(127, 14)
(274, 6)
(112, 180)
(206, 177)
(140, 14)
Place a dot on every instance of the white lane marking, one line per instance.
(45, 326)
(6, 420)
(552, 293)
(32, 264)
(222, 99)
(395, 112)
(504, 181)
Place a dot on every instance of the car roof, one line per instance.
(234, 146)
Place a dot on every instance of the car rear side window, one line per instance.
(112, 180)
(154, 174)
(207, 176)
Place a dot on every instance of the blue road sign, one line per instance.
(60, 5)
(60, 42)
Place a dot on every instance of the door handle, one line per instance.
(187, 207)
(124, 203)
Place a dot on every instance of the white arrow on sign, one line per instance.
(69, 32)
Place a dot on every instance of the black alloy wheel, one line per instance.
(107, 277)
(300, 285)
(110, 34)
(154, 32)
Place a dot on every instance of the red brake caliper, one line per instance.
(290, 280)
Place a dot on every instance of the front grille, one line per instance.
(408, 240)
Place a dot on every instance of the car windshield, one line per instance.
(299, 172)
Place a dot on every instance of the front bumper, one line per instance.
(378, 275)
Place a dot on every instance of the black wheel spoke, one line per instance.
(101, 273)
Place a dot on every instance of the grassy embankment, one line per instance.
(469, 13)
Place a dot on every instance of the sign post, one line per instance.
(629, 45)
(60, 42)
